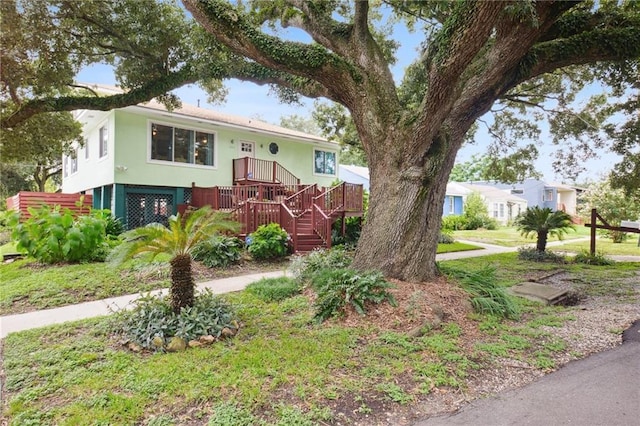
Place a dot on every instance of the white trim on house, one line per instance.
(216, 142)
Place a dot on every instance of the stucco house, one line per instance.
(555, 196)
(501, 205)
(143, 162)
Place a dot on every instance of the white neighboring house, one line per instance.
(502, 205)
(354, 174)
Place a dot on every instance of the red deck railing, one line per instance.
(346, 197)
(256, 170)
(261, 204)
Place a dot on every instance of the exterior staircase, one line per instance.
(264, 193)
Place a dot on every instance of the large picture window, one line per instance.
(181, 145)
(324, 162)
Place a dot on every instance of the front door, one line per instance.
(247, 149)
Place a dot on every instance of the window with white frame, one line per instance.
(495, 210)
(324, 162)
(548, 195)
(74, 161)
(501, 210)
(452, 209)
(179, 145)
(104, 140)
(86, 149)
(65, 169)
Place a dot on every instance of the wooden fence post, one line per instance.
(594, 217)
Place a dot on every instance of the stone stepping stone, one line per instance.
(539, 292)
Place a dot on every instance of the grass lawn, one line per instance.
(282, 366)
(456, 246)
(8, 248)
(604, 245)
(510, 237)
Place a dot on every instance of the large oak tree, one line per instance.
(476, 54)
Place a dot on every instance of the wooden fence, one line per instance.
(25, 199)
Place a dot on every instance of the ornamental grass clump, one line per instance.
(487, 297)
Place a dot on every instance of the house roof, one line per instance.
(363, 172)
(489, 192)
(192, 111)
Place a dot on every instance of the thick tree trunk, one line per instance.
(182, 284)
(400, 236)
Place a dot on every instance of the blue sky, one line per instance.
(248, 99)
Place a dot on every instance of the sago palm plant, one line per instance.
(543, 222)
(178, 241)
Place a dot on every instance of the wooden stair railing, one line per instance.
(249, 169)
(321, 224)
(302, 200)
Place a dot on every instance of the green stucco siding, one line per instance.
(132, 166)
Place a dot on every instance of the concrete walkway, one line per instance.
(36, 319)
(96, 308)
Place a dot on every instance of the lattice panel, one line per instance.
(143, 209)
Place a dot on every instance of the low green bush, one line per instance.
(446, 237)
(597, 259)
(274, 289)
(54, 235)
(305, 267)
(268, 242)
(338, 288)
(219, 251)
(533, 255)
(487, 297)
(353, 229)
(454, 223)
(153, 317)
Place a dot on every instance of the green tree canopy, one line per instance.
(37, 144)
(478, 56)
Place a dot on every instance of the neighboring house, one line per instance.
(142, 161)
(538, 193)
(454, 199)
(354, 174)
(501, 205)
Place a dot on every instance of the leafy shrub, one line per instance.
(337, 288)
(454, 223)
(113, 225)
(305, 267)
(446, 237)
(53, 236)
(535, 255)
(268, 242)
(484, 222)
(597, 259)
(153, 317)
(353, 229)
(274, 289)
(218, 251)
(487, 296)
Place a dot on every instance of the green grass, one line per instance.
(456, 246)
(27, 285)
(281, 366)
(608, 248)
(510, 237)
(617, 280)
(8, 248)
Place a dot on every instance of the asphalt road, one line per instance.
(603, 389)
